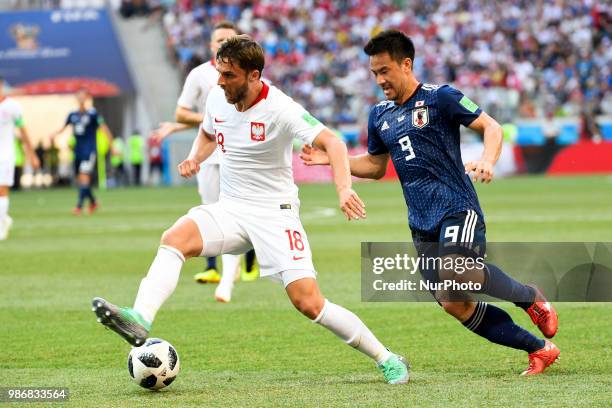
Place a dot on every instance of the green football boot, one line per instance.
(124, 321)
(395, 369)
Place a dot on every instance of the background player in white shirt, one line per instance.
(254, 126)
(10, 118)
(189, 114)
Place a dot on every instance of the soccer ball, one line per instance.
(154, 365)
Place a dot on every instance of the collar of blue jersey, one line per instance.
(411, 95)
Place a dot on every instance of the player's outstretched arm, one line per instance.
(203, 146)
(363, 165)
(165, 129)
(188, 117)
(337, 154)
(493, 137)
(369, 166)
(53, 135)
(312, 156)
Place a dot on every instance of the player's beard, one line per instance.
(238, 95)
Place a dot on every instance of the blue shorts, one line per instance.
(85, 164)
(462, 233)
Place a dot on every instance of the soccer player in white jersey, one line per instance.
(254, 126)
(10, 118)
(189, 114)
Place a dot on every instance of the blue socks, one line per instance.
(501, 286)
(211, 262)
(82, 195)
(90, 195)
(85, 192)
(250, 260)
(495, 325)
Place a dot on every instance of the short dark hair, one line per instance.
(225, 24)
(244, 51)
(397, 44)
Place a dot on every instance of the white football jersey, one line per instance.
(256, 145)
(10, 117)
(197, 86)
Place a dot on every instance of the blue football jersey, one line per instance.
(85, 126)
(422, 138)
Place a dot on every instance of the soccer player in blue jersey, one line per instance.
(418, 128)
(85, 123)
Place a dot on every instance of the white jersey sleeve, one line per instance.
(197, 86)
(191, 92)
(299, 123)
(207, 123)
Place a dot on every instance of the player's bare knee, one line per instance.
(461, 269)
(84, 179)
(170, 238)
(456, 309)
(308, 307)
(173, 238)
(185, 237)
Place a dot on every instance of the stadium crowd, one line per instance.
(514, 56)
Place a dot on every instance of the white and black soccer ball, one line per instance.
(154, 365)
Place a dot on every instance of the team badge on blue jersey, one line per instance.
(420, 117)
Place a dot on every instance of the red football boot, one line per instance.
(539, 360)
(76, 211)
(92, 208)
(543, 315)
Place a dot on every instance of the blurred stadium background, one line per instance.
(541, 68)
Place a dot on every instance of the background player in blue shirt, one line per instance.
(418, 128)
(85, 123)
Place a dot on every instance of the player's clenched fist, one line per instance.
(188, 168)
(480, 170)
(351, 204)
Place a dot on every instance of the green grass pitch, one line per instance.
(259, 351)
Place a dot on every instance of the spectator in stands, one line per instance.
(314, 48)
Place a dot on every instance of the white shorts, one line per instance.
(208, 183)
(273, 230)
(7, 173)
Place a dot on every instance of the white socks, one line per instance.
(163, 276)
(230, 269)
(160, 282)
(4, 206)
(346, 325)
(223, 293)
